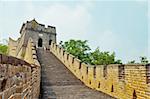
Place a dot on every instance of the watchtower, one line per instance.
(41, 35)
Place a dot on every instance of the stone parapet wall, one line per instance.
(25, 70)
(16, 48)
(31, 57)
(15, 78)
(12, 44)
(129, 81)
(39, 27)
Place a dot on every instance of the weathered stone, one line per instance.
(1, 96)
(19, 89)
(17, 96)
(4, 59)
(3, 70)
(3, 84)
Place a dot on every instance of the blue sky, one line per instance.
(113, 25)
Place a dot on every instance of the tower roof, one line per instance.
(32, 21)
(36, 25)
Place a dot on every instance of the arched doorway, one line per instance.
(50, 41)
(40, 41)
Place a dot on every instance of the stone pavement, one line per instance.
(57, 82)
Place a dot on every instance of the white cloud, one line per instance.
(70, 22)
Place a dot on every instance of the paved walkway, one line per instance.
(59, 83)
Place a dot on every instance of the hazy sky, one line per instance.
(113, 25)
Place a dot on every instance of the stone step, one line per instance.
(59, 83)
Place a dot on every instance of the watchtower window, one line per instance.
(40, 41)
(50, 41)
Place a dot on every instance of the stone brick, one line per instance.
(17, 96)
(19, 89)
(4, 59)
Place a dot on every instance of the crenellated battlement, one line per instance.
(123, 81)
(36, 31)
(20, 78)
(35, 26)
(15, 78)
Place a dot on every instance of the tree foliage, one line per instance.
(81, 50)
(143, 60)
(77, 48)
(131, 62)
(3, 49)
(99, 57)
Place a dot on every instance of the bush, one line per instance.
(81, 50)
(3, 49)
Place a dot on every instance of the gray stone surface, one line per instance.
(59, 83)
(38, 31)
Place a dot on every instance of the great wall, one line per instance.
(20, 78)
(32, 72)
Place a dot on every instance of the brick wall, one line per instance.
(31, 57)
(20, 78)
(129, 81)
(15, 78)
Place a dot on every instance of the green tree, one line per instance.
(77, 48)
(103, 58)
(118, 61)
(132, 62)
(81, 50)
(143, 60)
(3, 49)
(61, 43)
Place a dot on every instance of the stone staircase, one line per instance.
(57, 82)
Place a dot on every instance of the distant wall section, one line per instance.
(25, 68)
(120, 81)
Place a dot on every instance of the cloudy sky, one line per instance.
(113, 25)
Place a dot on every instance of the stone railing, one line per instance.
(20, 77)
(31, 57)
(15, 78)
(130, 81)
